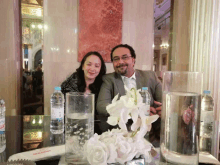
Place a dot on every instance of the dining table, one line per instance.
(31, 134)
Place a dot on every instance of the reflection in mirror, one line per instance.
(32, 132)
(32, 37)
(161, 36)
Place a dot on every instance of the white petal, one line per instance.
(126, 158)
(149, 127)
(126, 89)
(112, 120)
(141, 133)
(122, 125)
(136, 125)
(134, 115)
(109, 108)
(151, 119)
(124, 116)
(112, 153)
(115, 98)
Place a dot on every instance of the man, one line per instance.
(123, 57)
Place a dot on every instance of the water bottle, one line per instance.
(2, 131)
(146, 100)
(57, 111)
(206, 122)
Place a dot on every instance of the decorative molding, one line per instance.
(29, 46)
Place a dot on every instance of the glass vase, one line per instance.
(79, 125)
(180, 120)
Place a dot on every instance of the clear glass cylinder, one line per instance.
(79, 125)
(180, 119)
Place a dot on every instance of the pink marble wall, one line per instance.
(100, 26)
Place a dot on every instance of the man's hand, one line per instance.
(157, 110)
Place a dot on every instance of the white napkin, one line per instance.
(39, 154)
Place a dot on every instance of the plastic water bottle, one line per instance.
(146, 100)
(207, 122)
(2, 131)
(57, 111)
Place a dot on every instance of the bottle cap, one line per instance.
(206, 92)
(58, 88)
(144, 88)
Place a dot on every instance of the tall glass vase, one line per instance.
(180, 119)
(79, 125)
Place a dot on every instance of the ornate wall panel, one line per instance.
(100, 26)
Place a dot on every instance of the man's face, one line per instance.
(123, 62)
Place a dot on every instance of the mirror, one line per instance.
(161, 36)
(32, 44)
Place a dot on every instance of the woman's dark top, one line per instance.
(73, 84)
(70, 84)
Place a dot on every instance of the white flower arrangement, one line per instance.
(120, 145)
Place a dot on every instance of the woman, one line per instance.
(88, 77)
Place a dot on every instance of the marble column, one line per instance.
(60, 47)
(138, 30)
(179, 35)
(10, 58)
(11, 72)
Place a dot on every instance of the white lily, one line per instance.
(119, 113)
(133, 98)
(145, 126)
(133, 101)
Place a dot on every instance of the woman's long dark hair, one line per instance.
(95, 86)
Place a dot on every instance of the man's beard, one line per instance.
(122, 72)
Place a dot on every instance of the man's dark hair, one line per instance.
(124, 46)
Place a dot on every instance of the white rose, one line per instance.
(126, 150)
(119, 132)
(100, 150)
(143, 148)
(105, 134)
(96, 151)
(109, 139)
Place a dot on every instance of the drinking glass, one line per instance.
(180, 118)
(79, 127)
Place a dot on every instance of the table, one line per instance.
(28, 132)
(18, 129)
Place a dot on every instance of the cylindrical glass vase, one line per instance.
(79, 127)
(180, 119)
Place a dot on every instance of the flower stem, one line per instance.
(135, 132)
(135, 95)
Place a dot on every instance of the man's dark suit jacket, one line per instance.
(113, 84)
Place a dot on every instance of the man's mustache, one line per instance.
(121, 65)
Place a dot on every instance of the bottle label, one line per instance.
(57, 113)
(147, 113)
(146, 109)
(2, 124)
(207, 117)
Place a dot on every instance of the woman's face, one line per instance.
(92, 67)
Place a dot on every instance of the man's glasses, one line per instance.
(124, 58)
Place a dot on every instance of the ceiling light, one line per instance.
(40, 26)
